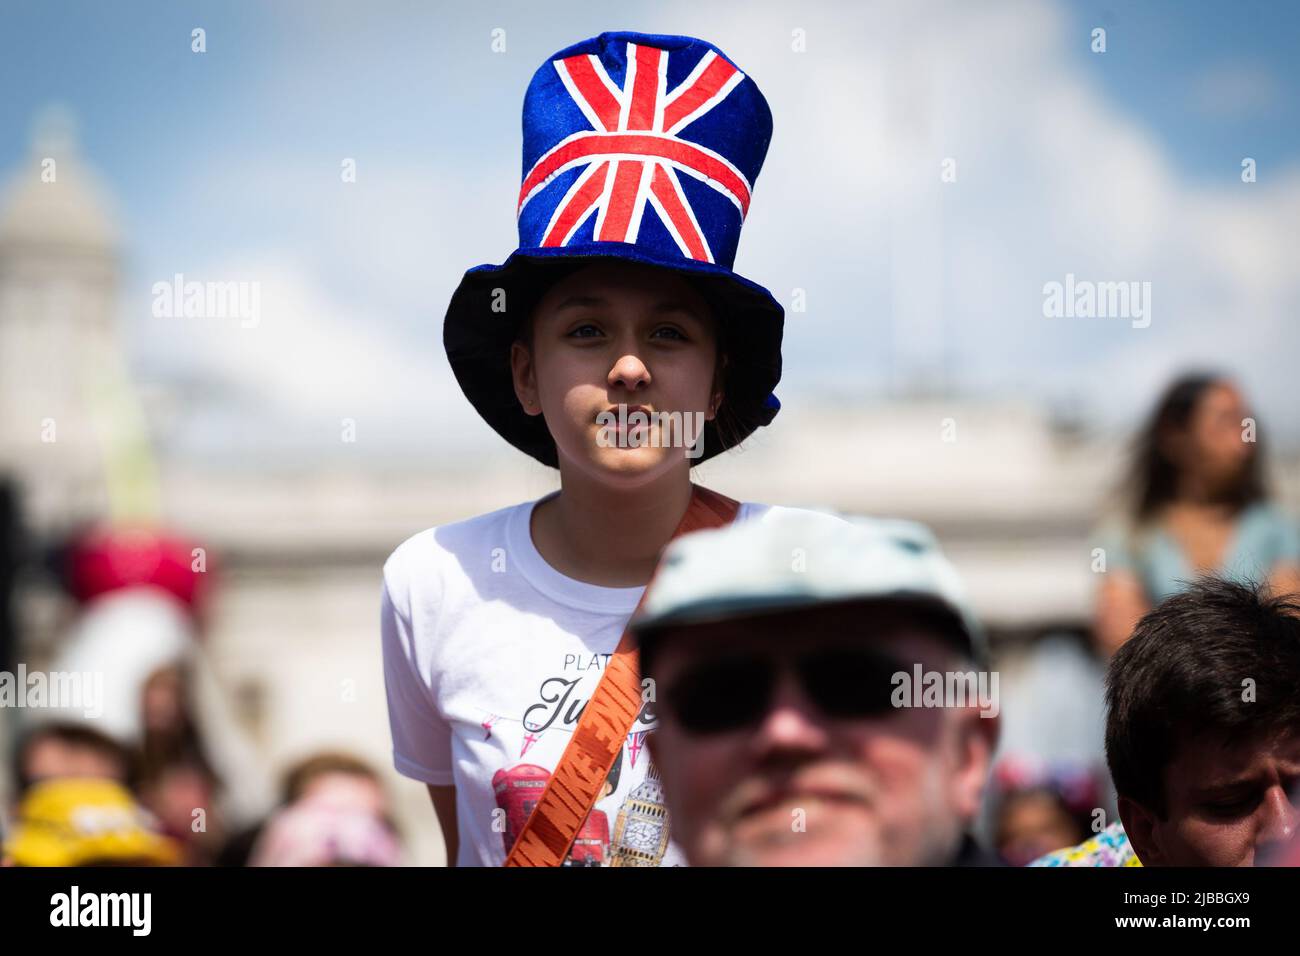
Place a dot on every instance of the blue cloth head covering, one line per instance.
(642, 148)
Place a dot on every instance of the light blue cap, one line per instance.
(789, 558)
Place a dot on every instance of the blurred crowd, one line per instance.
(1194, 502)
(146, 782)
(138, 777)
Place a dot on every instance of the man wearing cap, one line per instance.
(781, 657)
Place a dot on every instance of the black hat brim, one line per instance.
(491, 302)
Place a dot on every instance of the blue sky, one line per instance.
(1122, 166)
(118, 71)
(1161, 56)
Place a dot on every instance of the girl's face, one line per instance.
(611, 334)
(1212, 447)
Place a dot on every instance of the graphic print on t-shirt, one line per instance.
(640, 834)
(518, 791)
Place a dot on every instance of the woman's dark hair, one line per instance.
(1154, 475)
(1218, 661)
(725, 420)
(180, 745)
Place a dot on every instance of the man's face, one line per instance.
(796, 785)
(615, 334)
(1226, 804)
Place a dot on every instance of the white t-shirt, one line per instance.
(489, 656)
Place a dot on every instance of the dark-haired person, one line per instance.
(340, 778)
(793, 667)
(1202, 732)
(335, 813)
(1198, 505)
(1040, 806)
(57, 749)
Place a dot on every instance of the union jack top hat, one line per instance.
(643, 148)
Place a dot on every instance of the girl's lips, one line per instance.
(623, 422)
(614, 410)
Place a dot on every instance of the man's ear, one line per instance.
(979, 739)
(524, 373)
(1140, 828)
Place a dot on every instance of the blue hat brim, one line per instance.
(477, 338)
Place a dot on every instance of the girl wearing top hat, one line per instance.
(640, 154)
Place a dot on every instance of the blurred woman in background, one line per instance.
(1198, 505)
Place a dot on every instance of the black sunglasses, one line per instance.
(731, 692)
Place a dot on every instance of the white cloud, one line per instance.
(305, 367)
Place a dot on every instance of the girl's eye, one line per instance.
(587, 331)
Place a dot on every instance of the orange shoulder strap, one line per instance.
(605, 723)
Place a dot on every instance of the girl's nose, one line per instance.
(630, 372)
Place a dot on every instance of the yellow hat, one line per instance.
(75, 821)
